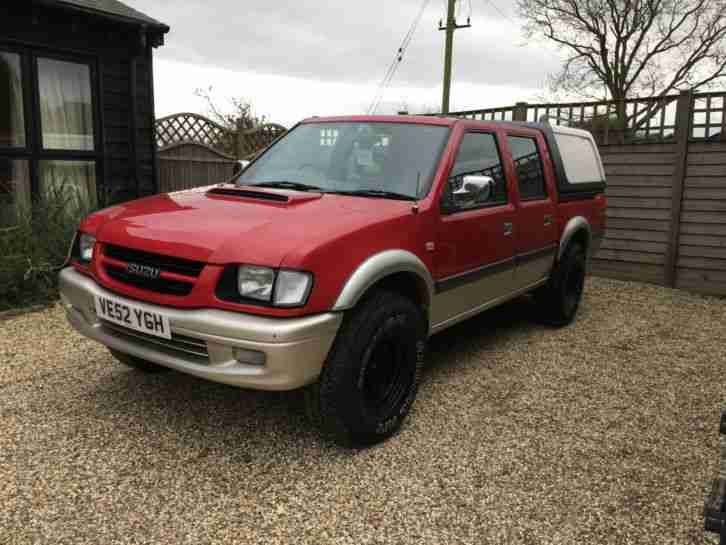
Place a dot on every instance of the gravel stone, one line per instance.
(602, 432)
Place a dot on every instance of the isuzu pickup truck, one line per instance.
(336, 254)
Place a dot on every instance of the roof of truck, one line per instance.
(446, 121)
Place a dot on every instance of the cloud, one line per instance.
(347, 41)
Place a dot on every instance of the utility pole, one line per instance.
(450, 27)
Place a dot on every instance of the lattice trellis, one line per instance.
(189, 127)
(260, 137)
(709, 116)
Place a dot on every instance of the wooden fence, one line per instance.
(185, 165)
(666, 171)
(195, 151)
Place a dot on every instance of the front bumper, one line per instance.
(294, 348)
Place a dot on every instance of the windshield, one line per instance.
(372, 159)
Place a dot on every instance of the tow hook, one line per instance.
(714, 509)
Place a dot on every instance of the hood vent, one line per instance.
(262, 195)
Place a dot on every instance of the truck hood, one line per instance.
(230, 224)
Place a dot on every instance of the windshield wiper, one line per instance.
(376, 193)
(288, 185)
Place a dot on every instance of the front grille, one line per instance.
(178, 345)
(177, 265)
(166, 264)
(159, 285)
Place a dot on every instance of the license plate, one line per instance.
(133, 317)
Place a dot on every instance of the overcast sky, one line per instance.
(296, 58)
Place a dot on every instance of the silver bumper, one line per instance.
(294, 348)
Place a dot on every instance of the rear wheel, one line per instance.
(370, 378)
(137, 363)
(559, 299)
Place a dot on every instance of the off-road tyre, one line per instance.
(558, 300)
(370, 377)
(137, 363)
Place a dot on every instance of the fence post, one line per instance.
(682, 134)
(520, 112)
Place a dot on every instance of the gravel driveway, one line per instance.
(603, 432)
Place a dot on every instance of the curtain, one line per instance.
(14, 190)
(66, 110)
(72, 183)
(12, 122)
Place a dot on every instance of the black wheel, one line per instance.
(370, 378)
(137, 363)
(559, 299)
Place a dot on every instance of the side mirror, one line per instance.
(474, 190)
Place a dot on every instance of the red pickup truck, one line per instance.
(337, 253)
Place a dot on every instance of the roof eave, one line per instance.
(150, 25)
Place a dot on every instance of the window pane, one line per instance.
(528, 166)
(478, 154)
(14, 190)
(66, 110)
(580, 159)
(350, 156)
(70, 182)
(12, 121)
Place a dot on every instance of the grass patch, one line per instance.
(36, 246)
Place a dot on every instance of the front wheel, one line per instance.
(559, 299)
(370, 378)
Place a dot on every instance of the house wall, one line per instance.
(125, 167)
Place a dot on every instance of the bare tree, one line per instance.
(617, 49)
(237, 115)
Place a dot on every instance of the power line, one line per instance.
(502, 13)
(398, 57)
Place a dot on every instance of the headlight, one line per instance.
(282, 288)
(255, 282)
(292, 288)
(86, 244)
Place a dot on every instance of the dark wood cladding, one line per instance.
(111, 47)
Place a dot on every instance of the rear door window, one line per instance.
(528, 166)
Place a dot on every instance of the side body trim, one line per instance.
(451, 282)
(546, 251)
(435, 328)
(473, 275)
(376, 268)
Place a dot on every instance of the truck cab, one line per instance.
(336, 254)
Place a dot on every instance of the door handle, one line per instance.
(547, 220)
(508, 228)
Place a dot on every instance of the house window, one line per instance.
(48, 131)
(12, 117)
(14, 190)
(66, 109)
